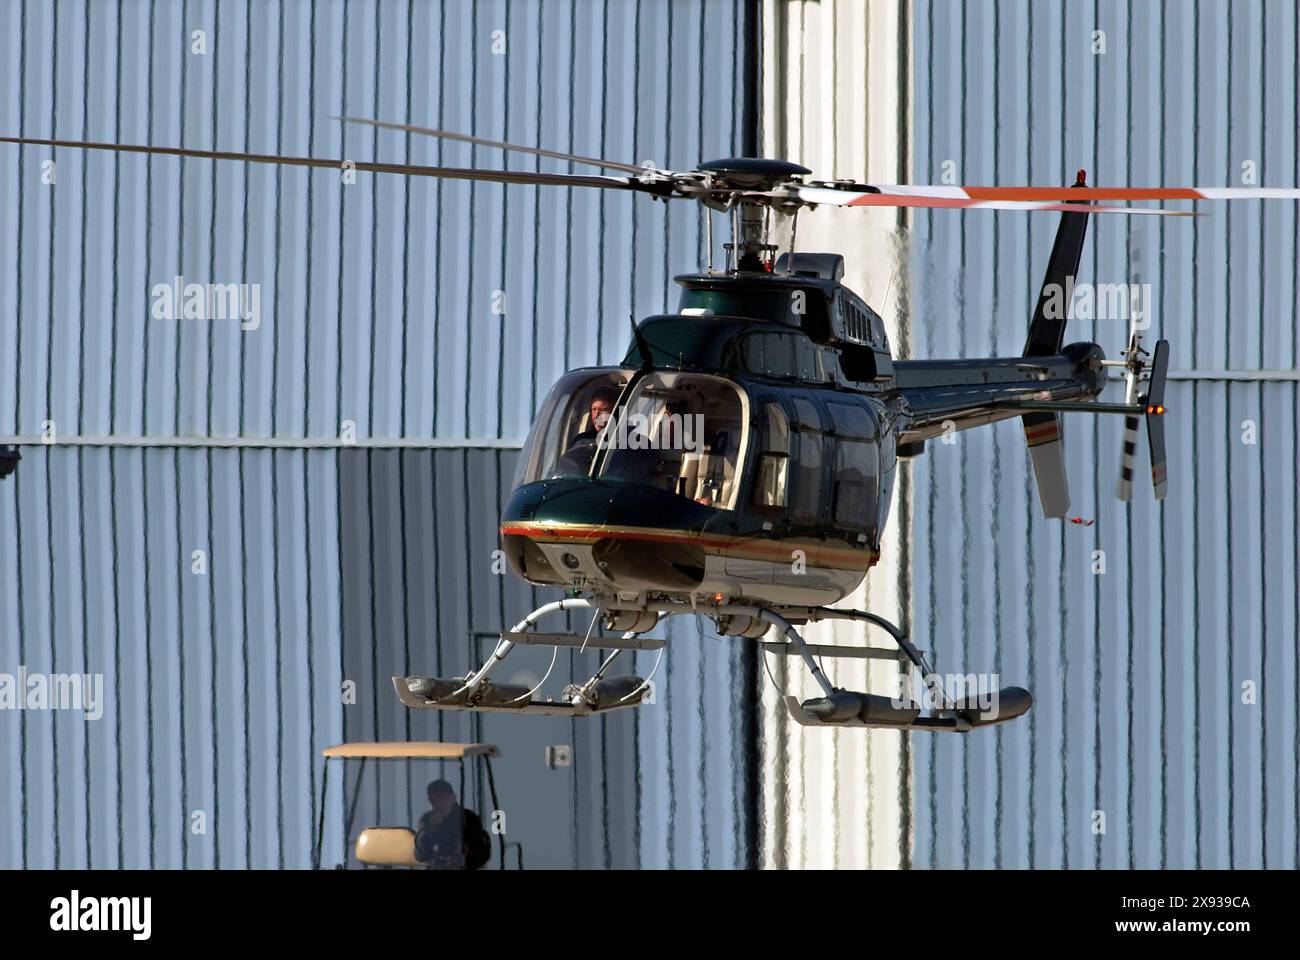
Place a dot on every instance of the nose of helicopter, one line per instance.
(590, 532)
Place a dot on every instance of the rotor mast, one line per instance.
(747, 187)
(750, 250)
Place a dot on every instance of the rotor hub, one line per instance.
(752, 173)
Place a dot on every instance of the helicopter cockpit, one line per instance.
(680, 432)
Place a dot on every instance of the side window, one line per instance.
(855, 484)
(809, 460)
(830, 363)
(781, 360)
(770, 354)
(773, 462)
(808, 364)
(857, 467)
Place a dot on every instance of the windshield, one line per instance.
(563, 439)
(680, 432)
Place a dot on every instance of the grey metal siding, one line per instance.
(353, 276)
(1137, 673)
(222, 688)
(325, 563)
(833, 101)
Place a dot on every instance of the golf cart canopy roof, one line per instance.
(399, 750)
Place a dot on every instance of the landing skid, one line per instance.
(603, 694)
(938, 724)
(542, 708)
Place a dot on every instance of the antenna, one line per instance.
(888, 290)
(643, 348)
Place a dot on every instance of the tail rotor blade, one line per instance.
(1159, 374)
(1159, 470)
(1128, 449)
(1155, 417)
(1128, 455)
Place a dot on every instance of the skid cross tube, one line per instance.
(796, 642)
(475, 680)
(814, 614)
(781, 618)
(503, 648)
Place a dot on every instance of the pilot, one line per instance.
(449, 837)
(582, 448)
(602, 405)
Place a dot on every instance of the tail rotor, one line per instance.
(1149, 407)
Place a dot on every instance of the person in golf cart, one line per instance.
(450, 837)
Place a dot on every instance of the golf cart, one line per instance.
(390, 847)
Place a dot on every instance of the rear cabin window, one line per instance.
(772, 476)
(786, 355)
(809, 446)
(857, 467)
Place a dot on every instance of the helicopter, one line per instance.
(739, 462)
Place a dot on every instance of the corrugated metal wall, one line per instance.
(1138, 673)
(430, 315)
(379, 305)
(221, 672)
(352, 276)
(834, 78)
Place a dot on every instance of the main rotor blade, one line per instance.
(962, 196)
(833, 196)
(497, 144)
(446, 173)
(1124, 194)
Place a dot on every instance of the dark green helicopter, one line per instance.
(740, 462)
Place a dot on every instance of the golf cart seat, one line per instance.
(387, 847)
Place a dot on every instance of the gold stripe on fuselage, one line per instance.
(1045, 433)
(818, 553)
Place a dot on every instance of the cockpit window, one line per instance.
(562, 442)
(680, 432)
